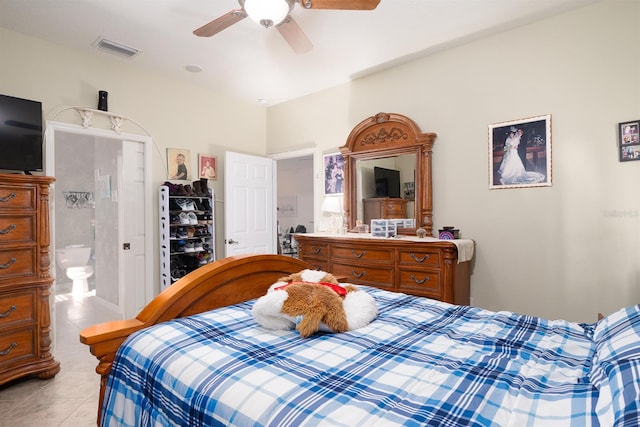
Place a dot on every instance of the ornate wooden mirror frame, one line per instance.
(386, 135)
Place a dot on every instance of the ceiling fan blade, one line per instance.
(293, 34)
(340, 4)
(221, 23)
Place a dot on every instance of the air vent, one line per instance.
(115, 47)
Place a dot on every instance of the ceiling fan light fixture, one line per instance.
(267, 12)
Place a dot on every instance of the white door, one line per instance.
(133, 211)
(249, 208)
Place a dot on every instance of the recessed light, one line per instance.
(193, 68)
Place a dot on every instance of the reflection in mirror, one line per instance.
(391, 178)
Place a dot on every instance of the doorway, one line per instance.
(102, 188)
(296, 198)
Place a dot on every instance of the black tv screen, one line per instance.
(387, 182)
(20, 134)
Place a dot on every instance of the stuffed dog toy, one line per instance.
(312, 301)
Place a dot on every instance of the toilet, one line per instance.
(74, 259)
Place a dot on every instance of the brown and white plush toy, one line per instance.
(312, 301)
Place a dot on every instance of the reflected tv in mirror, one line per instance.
(387, 182)
(20, 134)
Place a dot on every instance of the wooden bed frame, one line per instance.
(224, 282)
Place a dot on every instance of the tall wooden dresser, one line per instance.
(383, 208)
(25, 280)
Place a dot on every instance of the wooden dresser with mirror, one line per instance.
(425, 267)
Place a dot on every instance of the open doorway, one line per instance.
(295, 197)
(101, 205)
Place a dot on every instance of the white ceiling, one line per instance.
(254, 63)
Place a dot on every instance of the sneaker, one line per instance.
(197, 246)
(184, 218)
(174, 219)
(193, 219)
(188, 247)
(173, 205)
(206, 205)
(173, 233)
(181, 233)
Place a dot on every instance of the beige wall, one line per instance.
(177, 115)
(567, 251)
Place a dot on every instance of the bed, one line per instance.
(195, 356)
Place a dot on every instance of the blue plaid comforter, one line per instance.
(421, 362)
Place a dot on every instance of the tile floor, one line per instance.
(71, 397)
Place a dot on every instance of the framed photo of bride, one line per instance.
(520, 153)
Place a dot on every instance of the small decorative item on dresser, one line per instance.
(449, 233)
(421, 232)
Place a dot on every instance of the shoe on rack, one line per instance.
(179, 246)
(181, 191)
(188, 247)
(184, 218)
(174, 206)
(191, 231)
(193, 219)
(206, 205)
(181, 233)
(174, 219)
(186, 204)
(197, 246)
(190, 191)
(173, 188)
(173, 233)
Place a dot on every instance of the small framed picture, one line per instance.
(629, 141)
(208, 166)
(178, 163)
(333, 173)
(520, 153)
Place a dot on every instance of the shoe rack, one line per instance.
(187, 229)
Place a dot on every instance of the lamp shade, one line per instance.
(267, 12)
(332, 205)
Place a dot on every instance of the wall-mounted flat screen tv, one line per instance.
(20, 134)
(387, 182)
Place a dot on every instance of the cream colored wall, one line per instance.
(177, 115)
(567, 251)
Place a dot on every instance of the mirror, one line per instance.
(392, 144)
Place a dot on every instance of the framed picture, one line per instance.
(629, 140)
(207, 166)
(333, 173)
(178, 163)
(520, 153)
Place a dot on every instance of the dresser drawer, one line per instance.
(393, 209)
(17, 197)
(317, 264)
(314, 250)
(17, 262)
(17, 307)
(17, 228)
(16, 346)
(381, 277)
(360, 254)
(425, 283)
(416, 259)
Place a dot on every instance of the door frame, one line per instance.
(318, 179)
(51, 127)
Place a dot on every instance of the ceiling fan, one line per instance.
(270, 13)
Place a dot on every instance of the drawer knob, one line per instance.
(418, 281)
(8, 312)
(8, 229)
(358, 275)
(9, 197)
(8, 350)
(423, 259)
(7, 265)
(358, 255)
